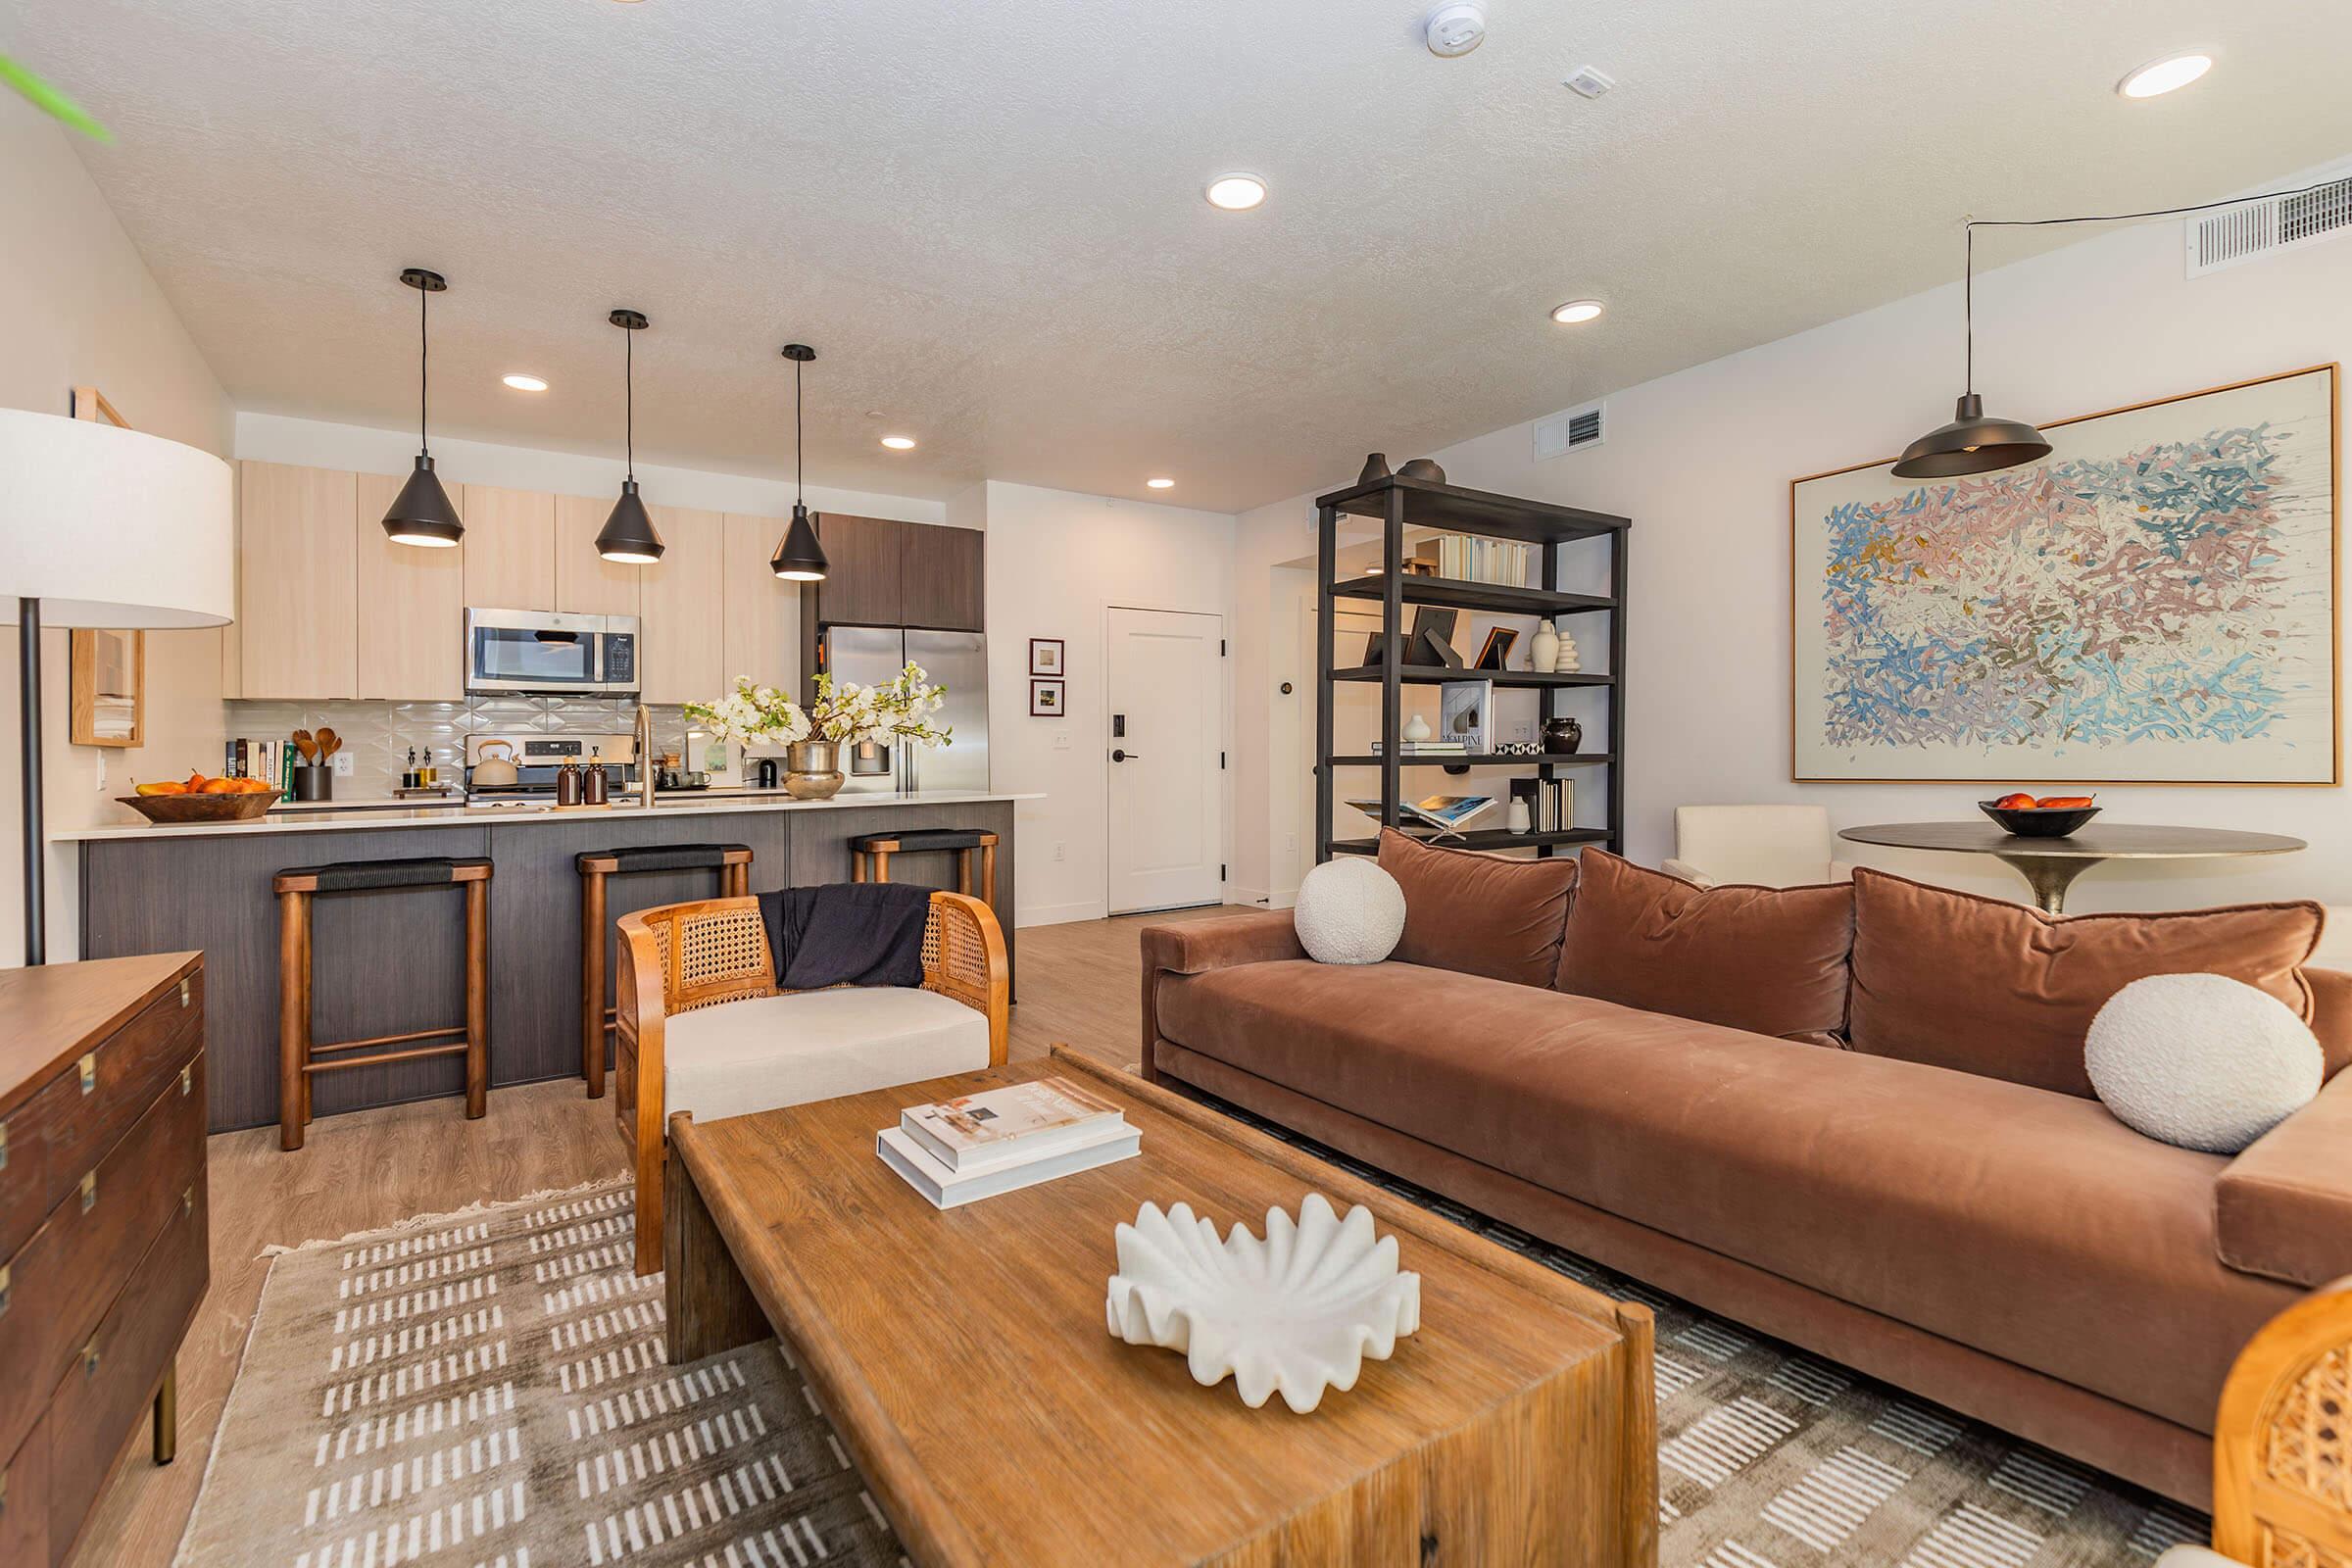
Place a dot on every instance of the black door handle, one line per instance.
(1124, 757)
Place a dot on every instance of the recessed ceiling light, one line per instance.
(898, 443)
(2161, 76)
(526, 384)
(1236, 193)
(1576, 311)
(1161, 484)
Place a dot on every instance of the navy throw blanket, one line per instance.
(848, 933)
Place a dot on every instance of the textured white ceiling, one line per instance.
(986, 215)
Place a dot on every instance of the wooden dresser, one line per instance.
(102, 1226)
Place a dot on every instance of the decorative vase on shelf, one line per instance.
(1517, 819)
(1543, 652)
(1416, 729)
(1562, 736)
(1376, 467)
(812, 771)
(1567, 661)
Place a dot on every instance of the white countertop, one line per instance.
(323, 818)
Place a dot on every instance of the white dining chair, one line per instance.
(1773, 846)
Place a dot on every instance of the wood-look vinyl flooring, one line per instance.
(1080, 984)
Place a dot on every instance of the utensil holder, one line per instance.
(313, 781)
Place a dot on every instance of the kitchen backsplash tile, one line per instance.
(379, 735)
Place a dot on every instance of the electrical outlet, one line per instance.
(1523, 730)
(345, 765)
(1061, 850)
(1290, 842)
(1062, 740)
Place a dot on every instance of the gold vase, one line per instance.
(812, 771)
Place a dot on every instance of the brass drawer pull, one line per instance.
(188, 1200)
(89, 1190)
(5, 1273)
(186, 989)
(89, 1359)
(3, 1146)
(89, 1072)
(187, 1080)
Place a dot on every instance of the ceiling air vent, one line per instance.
(1570, 430)
(2254, 230)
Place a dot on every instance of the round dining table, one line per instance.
(2050, 866)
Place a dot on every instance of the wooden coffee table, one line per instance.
(965, 1359)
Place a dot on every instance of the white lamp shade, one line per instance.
(112, 527)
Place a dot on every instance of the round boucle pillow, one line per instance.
(1349, 911)
(2201, 1060)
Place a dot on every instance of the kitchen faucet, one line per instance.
(644, 741)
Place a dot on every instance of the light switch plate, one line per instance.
(1062, 740)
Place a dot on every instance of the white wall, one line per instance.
(1056, 563)
(91, 315)
(1701, 461)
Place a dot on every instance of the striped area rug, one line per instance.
(489, 1388)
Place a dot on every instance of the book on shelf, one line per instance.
(948, 1188)
(1019, 1122)
(1424, 748)
(1445, 813)
(1468, 558)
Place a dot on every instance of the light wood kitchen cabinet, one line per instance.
(509, 547)
(683, 653)
(412, 607)
(586, 583)
(297, 582)
(762, 611)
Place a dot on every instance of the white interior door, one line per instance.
(1166, 689)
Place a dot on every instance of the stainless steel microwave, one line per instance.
(546, 653)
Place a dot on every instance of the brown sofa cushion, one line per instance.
(1479, 914)
(1996, 989)
(2283, 1207)
(1768, 959)
(2031, 1225)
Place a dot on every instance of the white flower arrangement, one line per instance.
(844, 713)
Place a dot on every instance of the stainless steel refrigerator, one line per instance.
(955, 659)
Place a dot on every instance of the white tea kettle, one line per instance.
(492, 771)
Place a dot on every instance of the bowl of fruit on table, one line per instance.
(2052, 816)
(198, 799)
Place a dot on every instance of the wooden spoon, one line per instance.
(308, 747)
(329, 743)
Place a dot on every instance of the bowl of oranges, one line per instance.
(198, 799)
(2052, 816)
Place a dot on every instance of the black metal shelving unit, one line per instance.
(1403, 504)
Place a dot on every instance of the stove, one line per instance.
(539, 757)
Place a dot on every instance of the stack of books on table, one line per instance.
(977, 1146)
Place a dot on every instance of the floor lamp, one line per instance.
(102, 528)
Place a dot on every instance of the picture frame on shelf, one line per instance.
(1046, 699)
(1497, 652)
(1432, 641)
(1047, 656)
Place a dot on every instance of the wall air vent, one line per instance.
(1570, 430)
(2254, 230)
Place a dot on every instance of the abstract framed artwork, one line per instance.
(1045, 699)
(2153, 603)
(1045, 656)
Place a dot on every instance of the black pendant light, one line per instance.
(420, 515)
(800, 558)
(628, 536)
(1973, 442)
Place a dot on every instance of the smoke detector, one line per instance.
(1455, 28)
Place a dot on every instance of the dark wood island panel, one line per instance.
(387, 962)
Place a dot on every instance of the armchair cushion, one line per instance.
(755, 1055)
(2282, 1208)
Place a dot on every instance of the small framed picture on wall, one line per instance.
(1045, 658)
(1044, 698)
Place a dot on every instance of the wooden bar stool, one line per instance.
(732, 862)
(299, 1055)
(871, 854)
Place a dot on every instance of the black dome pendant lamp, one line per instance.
(628, 536)
(1973, 442)
(420, 515)
(800, 558)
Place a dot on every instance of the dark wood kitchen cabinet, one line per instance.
(882, 572)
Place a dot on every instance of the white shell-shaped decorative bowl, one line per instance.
(1297, 1311)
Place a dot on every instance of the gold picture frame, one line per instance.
(108, 704)
(2038, 762)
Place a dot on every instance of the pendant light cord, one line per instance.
(800, 447)
(423, 351)
(1968, 285)
(628, 397)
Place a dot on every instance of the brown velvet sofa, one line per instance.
(2013, 1252)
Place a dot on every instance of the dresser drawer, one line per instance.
(115, 1371)
(64, 1280)
(27, 1136)
(24, 1500)
(115, 1082)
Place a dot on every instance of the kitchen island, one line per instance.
(392, 961)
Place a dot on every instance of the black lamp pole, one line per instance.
(28, 746)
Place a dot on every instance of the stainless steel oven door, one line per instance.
(537, 651)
